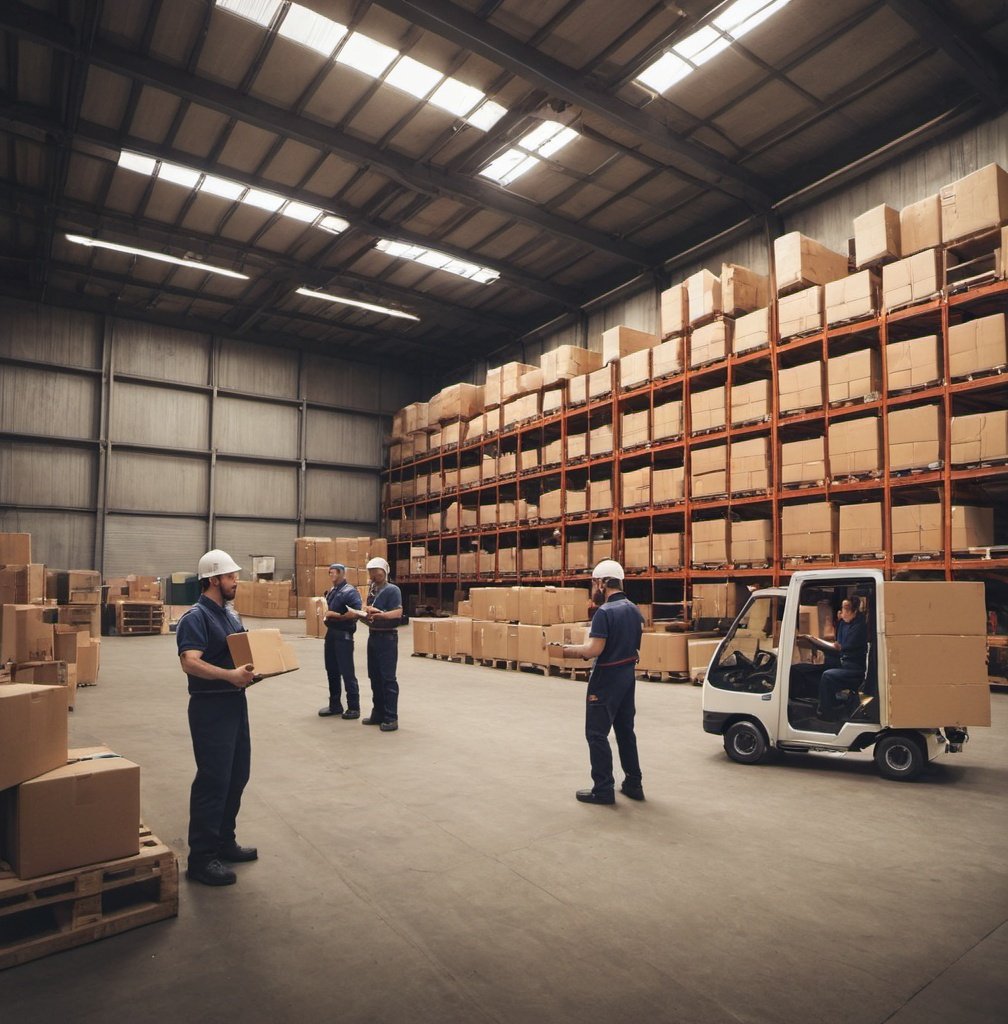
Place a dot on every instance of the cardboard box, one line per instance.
(600, 495)
(910, 280)
(800, 262)
(750, 402)
(708, 471)
(742, 290)
(752, 331)
(33, 731)
(622, 341)
(546, 606)
(636, 552)
(717, 600)
(920, 226)
(664, 652)
(600, 383)
(703, 296)
(666, 551)
(854, 447)
(578, 555)
(635, 486)
(143, 588)
(977, 345)
(83, 812)
(315, 610)
(915, 437)
(808, 529)
(710, 342)
(504, 383)
(667, 359)
(551, 504)
(22, 584)
(941, 608)
(49, 673)
(861, 529)
(635, 429)
(800, 312)
(853, 376)
(27, 633)
(978, 202)
(980, 437)
(800, 387)
(699, 651)
(853, 297)
(635, 369)
(495, 604)
(78, 586)
(710, 541)
(552, 401)
(565, 634)
(15, 548)
(707, 409)
(749, 465)
(568, 361)
(752, 542)
(913, 363)
(803, 461)
(575, 501)
(84, 617)
(916, 529)
(518, 410)
(265, 650)
(972, 527)
(600, 441)
(668, 485)
(577, 390)
(667, 421)
(674, 310)
(877, 236)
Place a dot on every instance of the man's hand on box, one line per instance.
(242, 676)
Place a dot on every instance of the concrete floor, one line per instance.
(445, 873)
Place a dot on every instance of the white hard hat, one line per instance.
(216, 563)
(378, 563)
(608, 569)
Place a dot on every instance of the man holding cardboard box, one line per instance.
(218, 723)
(343, 602)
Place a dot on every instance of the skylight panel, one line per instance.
(222, 187)
(262, 12)
(178, 175)
(366, 54)
(269, 201)
(161, 257)
(318, 33)
(342, 300)
(301, 211)
(503, 165)
(137, 162)
(456, 97)
(334, 224)
(545, 140)
(665, 72)
(438, 260)
(745, 15)
(486, 115)
(555, 144)
(411, 76)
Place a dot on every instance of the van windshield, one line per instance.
(748, 658)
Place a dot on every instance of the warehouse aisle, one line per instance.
(445, 872)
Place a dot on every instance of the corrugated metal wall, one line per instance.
(167, 441)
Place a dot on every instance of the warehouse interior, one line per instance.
(447, 282)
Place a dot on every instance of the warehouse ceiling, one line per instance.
(474, 169)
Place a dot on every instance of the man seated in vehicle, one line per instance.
(852, 646)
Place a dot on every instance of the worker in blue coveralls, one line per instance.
(218, 723)
(343, 602)
(383, 613)
(614, 642)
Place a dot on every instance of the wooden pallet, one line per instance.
(501, 664)
(579, 675)
(844, 403)
(40, 916)
(899, 392)
(981, 374)
(139, 618)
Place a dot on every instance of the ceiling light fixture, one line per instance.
(437, 260)
(161, 257)
(356, 302)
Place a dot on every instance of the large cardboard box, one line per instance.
(33, 731)
(916, 529)
(803, 462)
(914, 437)
(495, 604)
(22, 584)
(861, 529)
(853, 375)
(977, 345)
(920, 226)
(972, 527)
(635, 429)
(749, 464)
(877, 236)
(546, 606)
(913, 279)
(853, 297)
(84, 812)
(664, 652)
(636, 552)
(978, 202)
(600, 495)
(913, 363)
(568, 361)
(707, 409)
(710, 342)
(636, 487)
(668, 485)
(27, 633)
(635, 369)
(980, 437)
(800, 312)
(667, 421)
(667, 359)
(531, 641)
(78, 586)
(565, 634)
(600, 382)
(708, 471)
(84, 617)
(710, 541)
(703, 296)
(495, 641)
(49, 673)
(504, 383)
(578, 555)
(15, 548)
(674, 313)
(750, 402)
(936, 681)
(808, 529)
(622, 341)
(666, 551)
(575, 501)
(600, 441)
(520, 409)
(911, 608)
(717, 600)
(752, 541)
(800, 387)
(743, 290)
(423, 636)
(752, 331)
(800, 262)
(854, 447)
(265, 650)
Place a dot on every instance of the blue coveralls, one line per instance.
(339, 648)
(383, 656)
(853, 639)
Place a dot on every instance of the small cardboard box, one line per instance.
(707, 409)
(800, 387)
(752, 541)
(803, 461)
(800, 262)
(674, 313)
(861, 529)
(877, 236)
(980, 437)
(704, 296)
(22, 584)
(33, 731)
(750, 402)
(854, 446)
(743, 290)
(635, 369)
(977, 345)
(265, 650)
(752, 331)
(315, 610)
(667, 421)
(914, 437)
(710, 342)
(853, 297)
(910, 280)
(749, 465)
(978, 202)
(808, 529)
(853, 375)
(26, 633)
(920, 226)
(710, 541)
(913, 363)
(623, 341)
(800, 312)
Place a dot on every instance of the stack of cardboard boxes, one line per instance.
(314, 555)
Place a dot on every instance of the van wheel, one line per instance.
(899, 757)
(745, 743)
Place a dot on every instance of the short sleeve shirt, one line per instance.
(389, 597)
(620, 624)
(206, 627)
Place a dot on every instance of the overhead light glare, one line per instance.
(744, 15)
(161, 257)
(222, 187)
(137, 162)
(313, 30)
(438, 260)
(365, 54)
(262, 12)
(456, 97)
(302, 211)
(343, 300)
(411, 76)
(268, 201)
(178, 175)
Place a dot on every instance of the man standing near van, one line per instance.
(343, 601)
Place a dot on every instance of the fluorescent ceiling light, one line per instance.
(366, 54)
(161, 257)
(318, 33)
(486, 115)
(700, 46)
(178, 175)
(438, 260)
(356, 302)
(413, 77)
(262, 12)
(545, 140)
(301, 211)
(269, 201)
(456, 97)
(222, 187)
(137, 162)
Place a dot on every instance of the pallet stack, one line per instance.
(138, 606)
